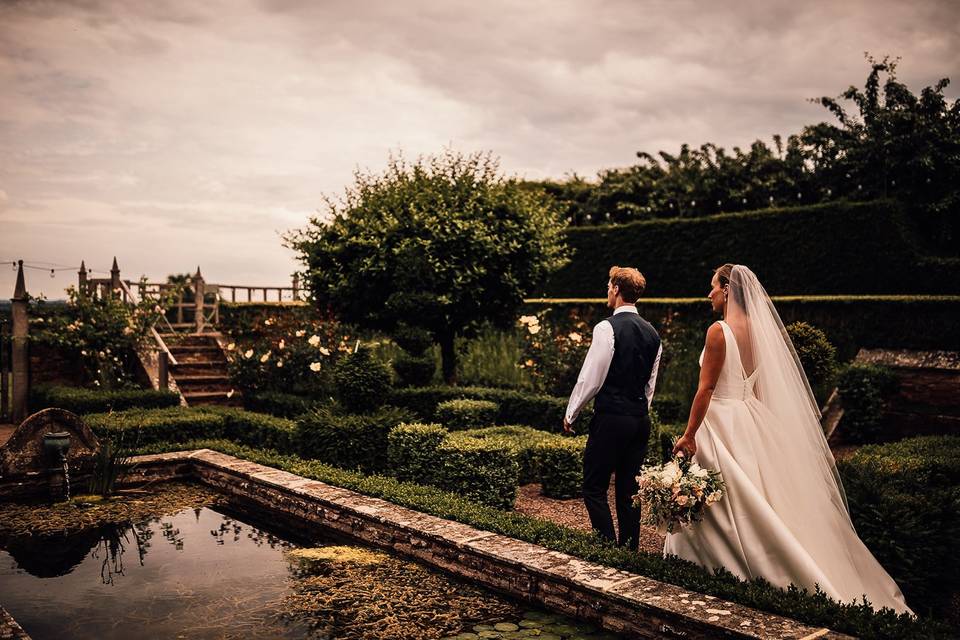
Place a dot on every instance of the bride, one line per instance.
(754, 419)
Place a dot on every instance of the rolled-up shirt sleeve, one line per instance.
(594, 369)
(652, 383)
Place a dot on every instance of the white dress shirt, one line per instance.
(597, 364)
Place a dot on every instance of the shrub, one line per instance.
(667, 407)
(905, 503)
(552, 356)
(413, 340)
(521, 441)
(412, 452)
(863, 389)
(362, 382)
(283, 405)
(414, 371)
(817, 356)
(350, 441)
(140, 427)
(812, 609)
(559, 461)
(516, 407)
(466, 414)
(258, 429)
(668, 434)
(83, 401)
(479, 469)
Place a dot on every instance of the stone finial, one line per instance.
(20, 290)
(115, 268)
(83, 268)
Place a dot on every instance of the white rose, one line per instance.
(314, 366)
(314, 340)
(534, 329)
(300, 333)
(248, 353)
(265, 357)
(325, 351)
(281, 344)
(231, 346)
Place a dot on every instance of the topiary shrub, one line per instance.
(362, 381)
(414, 371)
(817, 355)
(466, 414)
(559, 461)
(863, 389)
(412, 452)
(521, 441)
(904, 500)
(349, 441)
(481, 470)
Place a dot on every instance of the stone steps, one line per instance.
(201, 371)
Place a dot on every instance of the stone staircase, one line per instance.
(201, 370)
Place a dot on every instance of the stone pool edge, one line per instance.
(622, 602)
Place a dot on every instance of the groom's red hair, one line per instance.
(631, 283)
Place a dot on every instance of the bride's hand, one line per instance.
(686, 444)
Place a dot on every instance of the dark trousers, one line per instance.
(616, 445)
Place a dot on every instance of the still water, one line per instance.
(202, 573)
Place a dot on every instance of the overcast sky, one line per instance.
(184, 133)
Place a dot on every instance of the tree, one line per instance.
(445, 243)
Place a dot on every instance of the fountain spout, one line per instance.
(55, 446)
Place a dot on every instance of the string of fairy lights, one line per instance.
(50, 267)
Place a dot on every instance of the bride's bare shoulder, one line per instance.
(715, 337)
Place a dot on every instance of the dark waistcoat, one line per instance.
(635, 346)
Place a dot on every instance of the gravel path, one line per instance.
(572, 513)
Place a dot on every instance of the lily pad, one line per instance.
(506, 626)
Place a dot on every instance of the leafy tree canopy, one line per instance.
(445, 243)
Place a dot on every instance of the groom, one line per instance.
(621, 371)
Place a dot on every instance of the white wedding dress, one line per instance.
(784, 515)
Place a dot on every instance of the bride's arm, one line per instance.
(713, 355)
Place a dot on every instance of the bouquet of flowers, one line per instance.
(677, 492)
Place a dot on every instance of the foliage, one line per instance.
(288, 354)
(559, 462)
(414, 371)
(348, 440)
(464, 413)
(282, 405)
(522, 443)
(412, 452)
(551, 357)
(863, 389)
(101, 333)
(813, 609)
(817, 356)
(516, 407)
(178, 424)
(83, 401)
(362, 383)
(668, 408)
(110, 461)
(492, 359)
(905, 503)
(480, 469)
(900, 145)
(444, 243)
(834, 248)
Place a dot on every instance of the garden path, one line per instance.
(573, 513)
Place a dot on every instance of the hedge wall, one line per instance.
(833, 248)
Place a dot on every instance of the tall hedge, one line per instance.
(832, 248)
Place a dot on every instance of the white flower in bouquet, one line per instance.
(677, 493)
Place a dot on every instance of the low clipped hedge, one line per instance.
(904, 499)
(350, 441)
(83, 401)
(412, 452)
(667, 408)
(282, 405)
(522, 442)
(515, 407)
(813, 609)
(464, 413)
(138, 427)
(863, 390)
(480, 469)
(559, 463)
